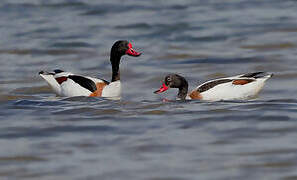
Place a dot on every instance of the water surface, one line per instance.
(141, 136)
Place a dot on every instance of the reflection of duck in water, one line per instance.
(238, 87)
(68, 84)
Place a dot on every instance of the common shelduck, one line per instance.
(240, 87)
(69, 84)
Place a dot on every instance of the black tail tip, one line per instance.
(41, 72)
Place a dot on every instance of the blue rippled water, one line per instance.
(140, 136)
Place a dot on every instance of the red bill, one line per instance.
(162, 89)
(131, 51)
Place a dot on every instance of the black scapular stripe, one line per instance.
(254, 75)
(212, 84)
(56, 71)
(84, 82)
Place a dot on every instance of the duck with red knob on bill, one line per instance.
(240, 87)
(69, 84)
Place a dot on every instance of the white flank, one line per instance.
(69, 88)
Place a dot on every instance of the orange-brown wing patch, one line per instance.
(195, 95)
(242, 81)
(100, 86)
(60, 80)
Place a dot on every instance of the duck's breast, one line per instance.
(113, 89)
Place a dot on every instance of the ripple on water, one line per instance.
(48, 137)
(155, 112)
(71, 45)
(88, 111)
(32, 90)
(14, 133)
(52, 52)
(22, 159)
(269, 47)
(5, 98)
(145, 26)
(37, 103)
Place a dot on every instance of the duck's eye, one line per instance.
(168, 79)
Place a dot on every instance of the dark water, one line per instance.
(139, 136)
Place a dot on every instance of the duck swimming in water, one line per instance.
(240, 87)
(69, 84)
